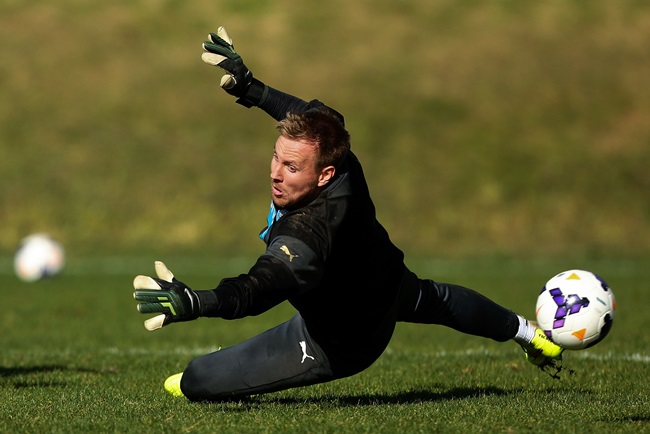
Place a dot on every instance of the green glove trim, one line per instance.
(219, 51)
(171, 299)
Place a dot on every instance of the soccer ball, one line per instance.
(38, 257)
(576, 309)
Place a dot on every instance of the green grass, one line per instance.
(504, 129)
(76, 358)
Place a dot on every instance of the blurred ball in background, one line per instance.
(38, 257)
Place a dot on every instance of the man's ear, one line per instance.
(326, 175)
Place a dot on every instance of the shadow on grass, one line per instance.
(633, 418)
(43, 375)
(406, 397)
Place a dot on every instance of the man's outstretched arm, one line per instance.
(238, 80)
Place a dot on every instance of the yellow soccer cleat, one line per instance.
(173, 385)
(542, 351)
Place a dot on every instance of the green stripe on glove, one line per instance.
(170, 298)
(219, 51)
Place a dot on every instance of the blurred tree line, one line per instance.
(499, 127)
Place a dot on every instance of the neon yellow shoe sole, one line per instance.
(173, 385)
(542, 350)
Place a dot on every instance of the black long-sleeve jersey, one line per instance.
(331, 259)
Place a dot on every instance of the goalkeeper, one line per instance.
(327, 255)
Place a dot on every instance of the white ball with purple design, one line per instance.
(576, 309)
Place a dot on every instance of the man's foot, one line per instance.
(173, 385)
(542, 351)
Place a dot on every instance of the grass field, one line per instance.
(76, 358)
(499, 129)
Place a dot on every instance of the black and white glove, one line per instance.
(238, 80)
(171, 298)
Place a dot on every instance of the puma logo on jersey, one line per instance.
(285, 249)
(303, 346)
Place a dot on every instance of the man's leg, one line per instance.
(280, 358)
(428, 302)
(465, 310)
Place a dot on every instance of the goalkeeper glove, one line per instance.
(172, 299)
(238, 80)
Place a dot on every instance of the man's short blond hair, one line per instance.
(322, 128)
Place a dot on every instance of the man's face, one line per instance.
(294, 179)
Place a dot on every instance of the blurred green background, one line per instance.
(486, 127)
